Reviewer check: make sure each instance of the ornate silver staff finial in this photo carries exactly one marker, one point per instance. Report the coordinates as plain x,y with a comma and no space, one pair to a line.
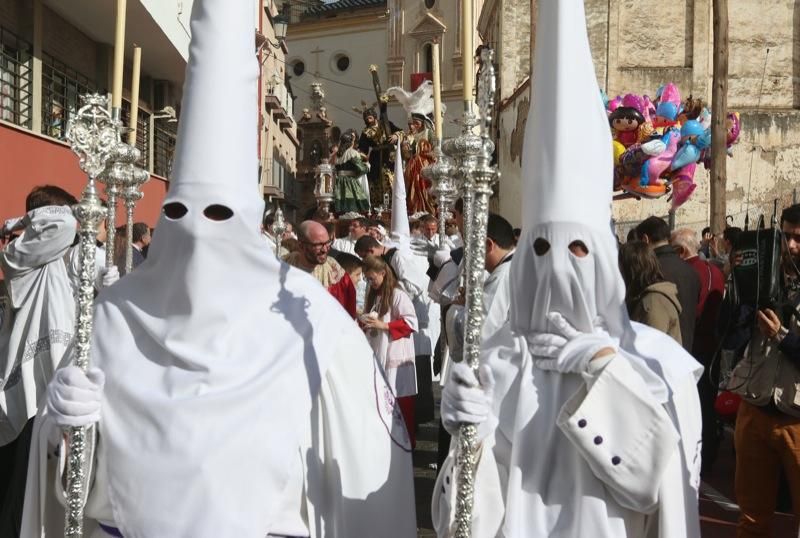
473,154
117,176
278,228
92,135
129,178
443,186
134,178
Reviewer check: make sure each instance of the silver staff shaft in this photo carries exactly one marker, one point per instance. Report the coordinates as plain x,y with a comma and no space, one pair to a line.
478,173
129,203
112,193
92,136
111,219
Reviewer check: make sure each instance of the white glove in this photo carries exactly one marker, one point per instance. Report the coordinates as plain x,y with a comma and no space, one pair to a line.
464,400
568,350
73,397
108,275
12,225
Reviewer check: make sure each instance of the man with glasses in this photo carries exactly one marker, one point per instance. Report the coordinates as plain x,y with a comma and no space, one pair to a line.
768,380
312,257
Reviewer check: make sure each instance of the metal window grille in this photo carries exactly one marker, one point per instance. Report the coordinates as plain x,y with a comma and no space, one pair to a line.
62,87
165,135
16,79
142,130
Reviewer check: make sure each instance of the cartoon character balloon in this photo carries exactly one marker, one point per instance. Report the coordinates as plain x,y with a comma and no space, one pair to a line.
658,143
625,122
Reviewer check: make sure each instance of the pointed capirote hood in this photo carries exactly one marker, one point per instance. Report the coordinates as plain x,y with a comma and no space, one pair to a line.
567,182
567,163
400,227
181,339
218,133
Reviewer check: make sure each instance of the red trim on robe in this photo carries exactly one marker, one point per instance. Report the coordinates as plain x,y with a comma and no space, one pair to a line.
345,292
407,404
398,328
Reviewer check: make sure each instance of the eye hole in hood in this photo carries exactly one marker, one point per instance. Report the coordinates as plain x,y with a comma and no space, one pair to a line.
541,246
218,212
174,210
579,249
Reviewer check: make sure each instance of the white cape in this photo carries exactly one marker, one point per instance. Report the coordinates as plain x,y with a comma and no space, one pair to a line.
574,457
40,316
356,462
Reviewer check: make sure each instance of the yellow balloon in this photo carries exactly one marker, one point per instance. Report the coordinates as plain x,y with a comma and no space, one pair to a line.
619,149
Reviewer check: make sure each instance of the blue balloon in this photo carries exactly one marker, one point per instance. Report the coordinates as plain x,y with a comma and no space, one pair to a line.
667,110
704,140
689,153
692,128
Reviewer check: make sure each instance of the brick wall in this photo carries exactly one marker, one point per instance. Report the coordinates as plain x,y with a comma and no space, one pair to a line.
17,17
69,45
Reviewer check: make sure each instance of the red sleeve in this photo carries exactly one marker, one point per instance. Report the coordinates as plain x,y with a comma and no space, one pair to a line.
344,292
398,328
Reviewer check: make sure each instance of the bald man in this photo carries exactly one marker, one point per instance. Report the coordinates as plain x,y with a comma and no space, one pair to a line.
312,257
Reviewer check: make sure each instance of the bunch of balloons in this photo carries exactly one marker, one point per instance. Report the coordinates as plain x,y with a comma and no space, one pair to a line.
659,142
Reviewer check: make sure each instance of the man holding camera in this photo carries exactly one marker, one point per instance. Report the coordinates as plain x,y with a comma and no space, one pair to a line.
768,379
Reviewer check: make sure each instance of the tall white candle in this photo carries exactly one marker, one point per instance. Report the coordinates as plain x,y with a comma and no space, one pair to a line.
119,55
467,48
437,91
137,66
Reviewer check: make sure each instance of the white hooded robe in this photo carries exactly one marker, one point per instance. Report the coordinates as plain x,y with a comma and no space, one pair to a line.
611,451
227,373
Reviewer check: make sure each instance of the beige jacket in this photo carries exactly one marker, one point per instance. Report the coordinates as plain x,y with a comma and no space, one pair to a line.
658,307
766,375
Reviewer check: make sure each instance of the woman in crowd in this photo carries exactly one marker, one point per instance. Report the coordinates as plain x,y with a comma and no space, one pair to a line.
389,321
650,299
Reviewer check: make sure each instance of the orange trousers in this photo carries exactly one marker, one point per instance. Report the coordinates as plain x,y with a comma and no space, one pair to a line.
764,442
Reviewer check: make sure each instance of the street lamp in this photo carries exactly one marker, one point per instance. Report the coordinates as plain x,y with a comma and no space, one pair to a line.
280,24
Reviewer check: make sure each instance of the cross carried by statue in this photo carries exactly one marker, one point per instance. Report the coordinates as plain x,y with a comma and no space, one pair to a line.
377,141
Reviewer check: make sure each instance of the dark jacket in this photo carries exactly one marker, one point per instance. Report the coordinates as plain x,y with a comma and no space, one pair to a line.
681,274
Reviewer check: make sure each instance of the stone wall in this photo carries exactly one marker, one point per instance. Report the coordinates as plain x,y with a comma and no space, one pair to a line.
754,27
511,128
513,41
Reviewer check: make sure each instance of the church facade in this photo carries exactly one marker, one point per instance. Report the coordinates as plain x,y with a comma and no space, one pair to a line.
335,43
